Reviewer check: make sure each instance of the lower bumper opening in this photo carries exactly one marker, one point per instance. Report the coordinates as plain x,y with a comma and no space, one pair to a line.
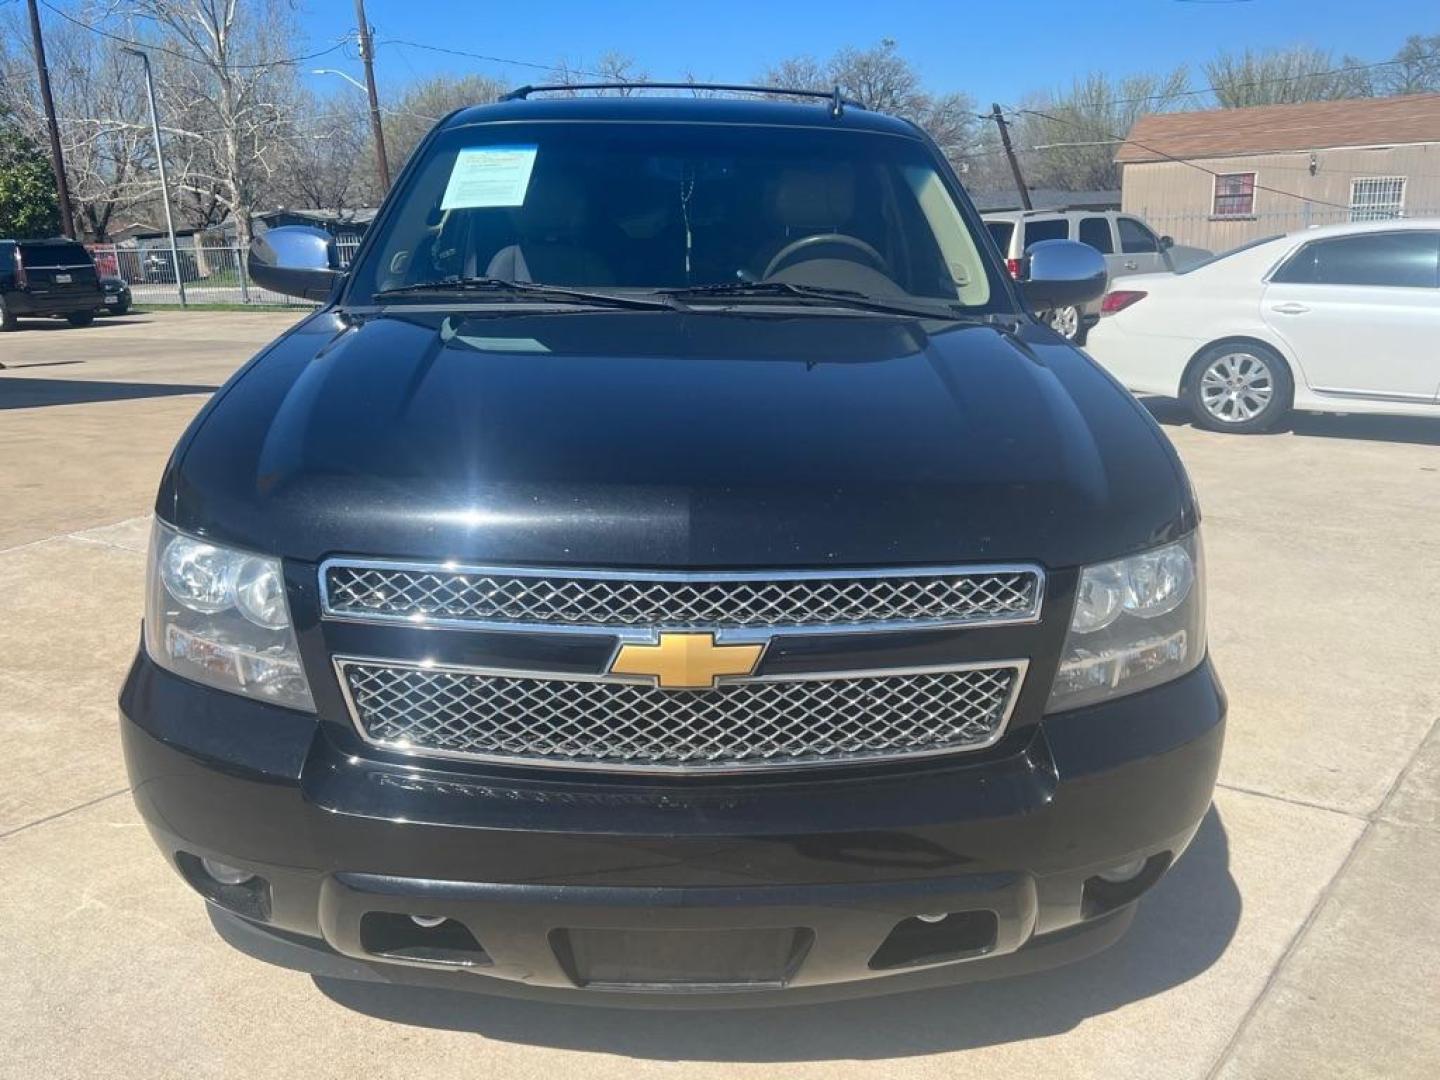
681,961
1102,895
936,939
420,939
250,898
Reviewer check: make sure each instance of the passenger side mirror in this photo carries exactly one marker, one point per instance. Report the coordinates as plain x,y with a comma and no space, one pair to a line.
1062,273
295,260
1166,243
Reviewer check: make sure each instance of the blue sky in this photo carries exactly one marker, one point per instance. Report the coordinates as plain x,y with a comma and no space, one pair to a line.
993,51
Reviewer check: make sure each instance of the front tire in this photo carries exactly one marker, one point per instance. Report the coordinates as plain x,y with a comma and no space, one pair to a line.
80,318
7,317
1242,387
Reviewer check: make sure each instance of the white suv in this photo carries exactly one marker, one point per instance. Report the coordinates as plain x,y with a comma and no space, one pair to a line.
1128,244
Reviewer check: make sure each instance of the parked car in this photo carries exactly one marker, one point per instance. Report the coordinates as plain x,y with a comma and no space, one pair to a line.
1339,319
1128,244
671,565
158,266
117,295
47,278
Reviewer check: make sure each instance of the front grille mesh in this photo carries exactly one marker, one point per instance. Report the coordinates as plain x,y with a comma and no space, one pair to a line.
625,725
656,602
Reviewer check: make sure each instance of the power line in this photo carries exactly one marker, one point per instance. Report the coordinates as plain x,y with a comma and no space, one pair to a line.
488,59
288,61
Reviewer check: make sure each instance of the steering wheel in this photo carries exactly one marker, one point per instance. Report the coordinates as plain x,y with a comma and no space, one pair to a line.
871,255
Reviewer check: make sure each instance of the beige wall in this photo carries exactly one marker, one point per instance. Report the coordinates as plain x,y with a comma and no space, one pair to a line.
1176,198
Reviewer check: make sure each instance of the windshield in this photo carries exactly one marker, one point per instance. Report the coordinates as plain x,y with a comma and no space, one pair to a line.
617,207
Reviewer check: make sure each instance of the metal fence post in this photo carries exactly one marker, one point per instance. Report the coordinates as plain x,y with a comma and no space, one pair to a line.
244,281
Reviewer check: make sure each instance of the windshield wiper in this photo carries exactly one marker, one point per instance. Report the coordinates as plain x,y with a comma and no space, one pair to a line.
940,309
529,290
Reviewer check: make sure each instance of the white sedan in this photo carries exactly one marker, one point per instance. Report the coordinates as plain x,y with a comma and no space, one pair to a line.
1340,319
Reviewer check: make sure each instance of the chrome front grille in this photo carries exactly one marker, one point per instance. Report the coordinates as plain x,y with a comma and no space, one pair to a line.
838,600
596,722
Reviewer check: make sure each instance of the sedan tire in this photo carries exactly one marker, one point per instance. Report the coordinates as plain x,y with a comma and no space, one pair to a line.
1068,322
1238,386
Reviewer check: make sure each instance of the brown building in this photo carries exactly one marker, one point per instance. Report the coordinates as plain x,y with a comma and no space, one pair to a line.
1247,173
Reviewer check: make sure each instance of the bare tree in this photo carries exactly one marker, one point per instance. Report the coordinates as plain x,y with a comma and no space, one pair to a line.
325,162
229,95
1068,140
101,111
612,67
1416,69
410,116
1284,77
880,78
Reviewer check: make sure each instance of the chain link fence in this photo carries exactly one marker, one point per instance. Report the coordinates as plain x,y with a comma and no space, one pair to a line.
211,273
1219,233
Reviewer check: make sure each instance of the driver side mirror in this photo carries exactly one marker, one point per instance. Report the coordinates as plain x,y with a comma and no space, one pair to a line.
1166,243
1062,273
296,260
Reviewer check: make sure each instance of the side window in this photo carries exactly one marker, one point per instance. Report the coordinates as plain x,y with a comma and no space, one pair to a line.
1134,237
1046,229
1386,259
1095,231
1001,231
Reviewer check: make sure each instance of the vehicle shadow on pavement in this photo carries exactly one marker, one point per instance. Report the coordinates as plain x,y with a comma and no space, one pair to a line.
1181,929
22,392
1397,429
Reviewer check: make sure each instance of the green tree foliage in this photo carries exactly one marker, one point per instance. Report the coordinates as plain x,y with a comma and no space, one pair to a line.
28,204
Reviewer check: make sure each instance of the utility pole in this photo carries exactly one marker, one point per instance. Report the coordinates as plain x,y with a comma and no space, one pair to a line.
57,159
1010,154
367,54
160,163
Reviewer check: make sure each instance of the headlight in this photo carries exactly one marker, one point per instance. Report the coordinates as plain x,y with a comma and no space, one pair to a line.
219,616
1138,622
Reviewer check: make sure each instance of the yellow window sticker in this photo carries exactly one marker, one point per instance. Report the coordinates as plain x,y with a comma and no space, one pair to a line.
489,176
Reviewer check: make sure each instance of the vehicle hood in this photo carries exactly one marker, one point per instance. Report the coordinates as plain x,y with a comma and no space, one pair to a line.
667,439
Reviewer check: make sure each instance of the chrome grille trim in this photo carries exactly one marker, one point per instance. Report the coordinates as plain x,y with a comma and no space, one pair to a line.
641,603
967,707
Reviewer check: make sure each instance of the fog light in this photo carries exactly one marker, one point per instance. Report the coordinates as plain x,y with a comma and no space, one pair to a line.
1118,875
224,873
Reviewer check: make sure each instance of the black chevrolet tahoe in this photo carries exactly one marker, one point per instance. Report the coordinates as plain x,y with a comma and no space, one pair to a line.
47,278
673,565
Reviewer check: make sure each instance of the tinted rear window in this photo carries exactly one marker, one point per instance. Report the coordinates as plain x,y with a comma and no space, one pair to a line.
1095,231
1396,259
1001,231
1046,229
38,253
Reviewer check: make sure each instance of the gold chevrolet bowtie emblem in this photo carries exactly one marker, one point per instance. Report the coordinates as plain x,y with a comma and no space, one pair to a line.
686,661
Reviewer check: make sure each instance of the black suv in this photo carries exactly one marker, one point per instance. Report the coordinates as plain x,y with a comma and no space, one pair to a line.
47,277
673,565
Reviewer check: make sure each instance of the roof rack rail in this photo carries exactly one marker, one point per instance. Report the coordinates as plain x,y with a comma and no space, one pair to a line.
838,101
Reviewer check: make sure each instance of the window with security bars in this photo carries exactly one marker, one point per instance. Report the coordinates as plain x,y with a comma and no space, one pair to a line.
1377,198
1234,195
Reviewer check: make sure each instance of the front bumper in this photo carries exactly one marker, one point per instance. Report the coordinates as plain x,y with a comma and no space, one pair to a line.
784,887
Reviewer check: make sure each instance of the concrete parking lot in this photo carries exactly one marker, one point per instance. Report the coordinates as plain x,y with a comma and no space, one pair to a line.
1300,937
